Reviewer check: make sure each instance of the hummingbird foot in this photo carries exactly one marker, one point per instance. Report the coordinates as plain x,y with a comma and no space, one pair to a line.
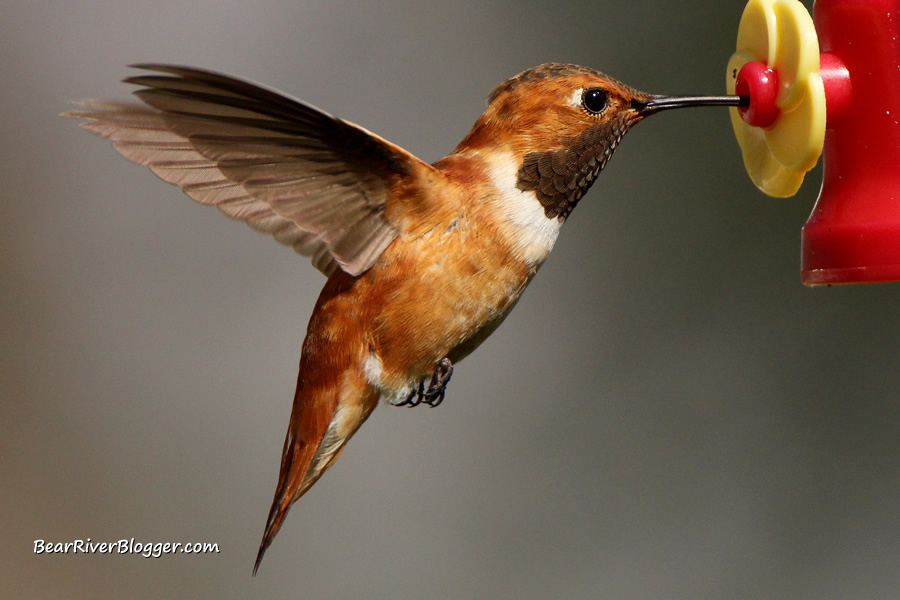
414,398
434,395
437,387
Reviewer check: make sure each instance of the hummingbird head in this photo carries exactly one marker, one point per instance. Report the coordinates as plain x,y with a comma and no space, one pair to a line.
561,123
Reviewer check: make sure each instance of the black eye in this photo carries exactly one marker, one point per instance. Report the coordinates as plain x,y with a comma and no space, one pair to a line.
595,100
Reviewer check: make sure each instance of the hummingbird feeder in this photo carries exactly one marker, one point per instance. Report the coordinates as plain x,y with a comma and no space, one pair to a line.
832,85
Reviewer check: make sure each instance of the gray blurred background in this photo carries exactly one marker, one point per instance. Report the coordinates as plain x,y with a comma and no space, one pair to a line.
668,413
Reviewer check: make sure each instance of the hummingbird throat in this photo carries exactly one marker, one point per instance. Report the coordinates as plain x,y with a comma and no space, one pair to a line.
561,177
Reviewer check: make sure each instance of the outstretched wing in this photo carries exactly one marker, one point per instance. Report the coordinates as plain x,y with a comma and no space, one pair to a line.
314,182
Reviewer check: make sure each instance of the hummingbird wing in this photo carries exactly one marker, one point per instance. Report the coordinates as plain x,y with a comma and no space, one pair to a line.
314,182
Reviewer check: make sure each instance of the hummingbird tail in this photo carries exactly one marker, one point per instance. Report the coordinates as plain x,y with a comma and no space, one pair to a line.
322,421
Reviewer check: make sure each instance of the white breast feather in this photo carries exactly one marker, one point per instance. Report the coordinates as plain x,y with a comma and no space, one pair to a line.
372,368
521,214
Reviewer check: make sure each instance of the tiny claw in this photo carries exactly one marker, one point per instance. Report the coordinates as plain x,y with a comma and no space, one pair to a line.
414,398
437,387
434,395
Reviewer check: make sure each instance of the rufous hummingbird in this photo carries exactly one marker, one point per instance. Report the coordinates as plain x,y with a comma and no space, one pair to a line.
423,261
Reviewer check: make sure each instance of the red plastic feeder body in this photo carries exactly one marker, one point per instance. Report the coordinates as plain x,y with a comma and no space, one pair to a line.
853,233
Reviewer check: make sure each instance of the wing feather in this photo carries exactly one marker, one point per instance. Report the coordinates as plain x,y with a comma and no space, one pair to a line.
314,182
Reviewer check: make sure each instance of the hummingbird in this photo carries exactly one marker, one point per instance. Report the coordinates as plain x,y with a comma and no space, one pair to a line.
423,261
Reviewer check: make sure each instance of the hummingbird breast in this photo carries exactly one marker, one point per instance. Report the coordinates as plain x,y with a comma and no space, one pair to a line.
439,293
439,297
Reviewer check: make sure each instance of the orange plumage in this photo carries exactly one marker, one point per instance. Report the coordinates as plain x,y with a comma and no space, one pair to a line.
423,261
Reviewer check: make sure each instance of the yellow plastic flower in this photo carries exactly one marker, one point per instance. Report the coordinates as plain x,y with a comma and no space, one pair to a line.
781,34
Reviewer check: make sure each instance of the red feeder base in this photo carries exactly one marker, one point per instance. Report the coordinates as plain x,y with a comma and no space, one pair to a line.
853,233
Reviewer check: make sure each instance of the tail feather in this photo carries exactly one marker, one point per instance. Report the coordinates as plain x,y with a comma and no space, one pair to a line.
288,476
321,424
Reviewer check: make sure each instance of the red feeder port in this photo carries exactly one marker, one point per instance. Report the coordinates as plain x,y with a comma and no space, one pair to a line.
760,83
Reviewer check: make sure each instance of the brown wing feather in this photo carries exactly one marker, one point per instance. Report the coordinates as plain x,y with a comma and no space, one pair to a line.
314,182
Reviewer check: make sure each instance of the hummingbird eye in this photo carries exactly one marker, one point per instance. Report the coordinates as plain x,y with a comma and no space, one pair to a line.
595,100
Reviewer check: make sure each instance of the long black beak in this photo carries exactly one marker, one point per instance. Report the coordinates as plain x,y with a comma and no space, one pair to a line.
658,103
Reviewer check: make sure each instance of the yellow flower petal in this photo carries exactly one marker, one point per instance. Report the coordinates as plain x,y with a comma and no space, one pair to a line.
781,33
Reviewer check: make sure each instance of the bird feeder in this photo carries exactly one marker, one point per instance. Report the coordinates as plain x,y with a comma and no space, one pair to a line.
832,85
